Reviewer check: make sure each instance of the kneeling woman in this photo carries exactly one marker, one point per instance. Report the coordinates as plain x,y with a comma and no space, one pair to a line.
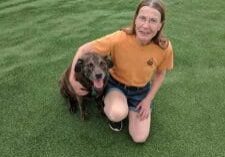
141,56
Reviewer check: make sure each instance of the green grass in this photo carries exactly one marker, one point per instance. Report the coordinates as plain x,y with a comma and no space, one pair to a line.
38,39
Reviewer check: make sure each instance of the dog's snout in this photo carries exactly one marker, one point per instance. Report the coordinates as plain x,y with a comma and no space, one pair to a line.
98,76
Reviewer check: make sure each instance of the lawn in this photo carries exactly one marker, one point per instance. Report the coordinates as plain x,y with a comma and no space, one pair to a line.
38,39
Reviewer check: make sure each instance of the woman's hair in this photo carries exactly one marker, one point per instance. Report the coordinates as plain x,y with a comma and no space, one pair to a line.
159,38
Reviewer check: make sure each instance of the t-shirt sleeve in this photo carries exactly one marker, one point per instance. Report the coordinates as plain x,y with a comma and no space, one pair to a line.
106,44
167,63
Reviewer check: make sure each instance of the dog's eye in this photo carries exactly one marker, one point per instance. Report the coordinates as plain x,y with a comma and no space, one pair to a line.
102,64
90,65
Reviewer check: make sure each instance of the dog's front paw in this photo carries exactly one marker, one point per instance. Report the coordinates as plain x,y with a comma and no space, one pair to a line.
84,116
73,107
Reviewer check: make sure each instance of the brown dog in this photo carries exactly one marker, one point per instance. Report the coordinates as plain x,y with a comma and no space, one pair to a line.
91,70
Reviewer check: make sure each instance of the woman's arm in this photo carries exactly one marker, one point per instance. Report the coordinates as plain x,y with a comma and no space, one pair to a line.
79,89
156,84
143,106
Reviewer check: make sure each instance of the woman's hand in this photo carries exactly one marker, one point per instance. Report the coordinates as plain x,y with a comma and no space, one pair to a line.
79,89
77,86
143,109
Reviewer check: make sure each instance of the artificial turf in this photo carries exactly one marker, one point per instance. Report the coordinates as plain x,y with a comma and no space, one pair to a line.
38,39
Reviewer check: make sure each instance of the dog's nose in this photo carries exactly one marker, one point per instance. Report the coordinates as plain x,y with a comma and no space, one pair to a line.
98,76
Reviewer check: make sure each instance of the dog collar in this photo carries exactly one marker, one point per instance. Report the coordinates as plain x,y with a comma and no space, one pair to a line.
93,92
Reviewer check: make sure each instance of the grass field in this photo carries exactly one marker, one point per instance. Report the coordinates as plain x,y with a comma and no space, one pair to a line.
38,39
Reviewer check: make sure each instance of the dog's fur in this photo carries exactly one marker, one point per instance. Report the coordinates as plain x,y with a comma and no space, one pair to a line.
91,70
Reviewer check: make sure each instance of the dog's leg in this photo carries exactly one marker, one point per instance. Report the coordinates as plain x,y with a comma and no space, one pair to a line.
81,107
84,108
100,104
73,105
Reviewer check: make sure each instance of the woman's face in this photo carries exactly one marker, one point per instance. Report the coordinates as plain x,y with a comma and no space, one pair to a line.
147,24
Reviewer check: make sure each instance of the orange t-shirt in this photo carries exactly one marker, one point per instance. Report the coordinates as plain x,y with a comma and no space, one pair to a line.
133,64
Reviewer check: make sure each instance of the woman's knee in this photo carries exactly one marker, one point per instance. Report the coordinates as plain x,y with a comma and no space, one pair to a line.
116,107
116,112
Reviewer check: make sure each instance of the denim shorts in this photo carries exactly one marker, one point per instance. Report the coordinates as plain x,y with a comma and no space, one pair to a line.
134,95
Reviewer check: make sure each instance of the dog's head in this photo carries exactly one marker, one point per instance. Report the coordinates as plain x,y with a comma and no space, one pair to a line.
92,71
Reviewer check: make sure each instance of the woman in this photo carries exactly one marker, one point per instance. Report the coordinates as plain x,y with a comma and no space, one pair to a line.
141,57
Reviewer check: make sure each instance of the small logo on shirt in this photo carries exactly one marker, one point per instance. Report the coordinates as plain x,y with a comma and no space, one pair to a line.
150,62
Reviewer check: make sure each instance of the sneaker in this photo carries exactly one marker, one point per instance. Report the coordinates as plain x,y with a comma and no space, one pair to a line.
116,126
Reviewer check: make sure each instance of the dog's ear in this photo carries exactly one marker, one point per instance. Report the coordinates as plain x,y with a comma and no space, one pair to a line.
79,65
109,62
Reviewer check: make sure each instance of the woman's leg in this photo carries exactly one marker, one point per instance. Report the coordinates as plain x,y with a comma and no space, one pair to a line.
116,108
139,130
